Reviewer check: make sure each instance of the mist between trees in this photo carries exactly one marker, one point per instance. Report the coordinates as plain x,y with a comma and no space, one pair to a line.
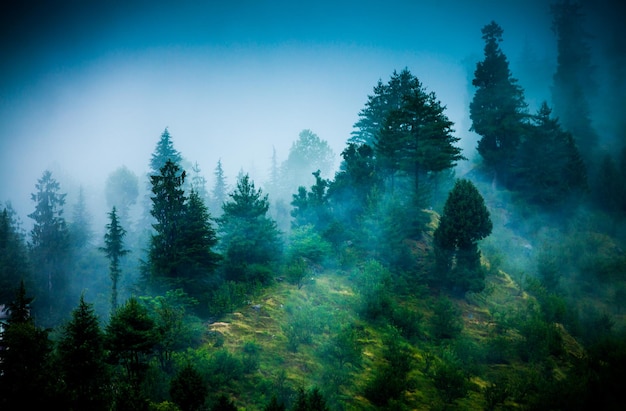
388,282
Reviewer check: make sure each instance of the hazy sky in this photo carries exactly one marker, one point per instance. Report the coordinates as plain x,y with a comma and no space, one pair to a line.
88,86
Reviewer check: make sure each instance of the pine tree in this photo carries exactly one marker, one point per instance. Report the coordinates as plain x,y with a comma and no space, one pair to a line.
50,247
465,221
197,239
548,168
416,138
219,189
248,236
498,108
114,250
82,359
188,389
14,265
386,98
26,375
168,209
130,337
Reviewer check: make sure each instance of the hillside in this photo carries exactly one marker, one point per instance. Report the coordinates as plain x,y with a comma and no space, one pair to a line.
291,331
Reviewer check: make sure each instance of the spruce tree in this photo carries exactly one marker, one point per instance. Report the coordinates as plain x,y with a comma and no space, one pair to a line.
26,377
114,250
249,238
168,209
14,266
498,109
548,167
218,194
164,152
82,360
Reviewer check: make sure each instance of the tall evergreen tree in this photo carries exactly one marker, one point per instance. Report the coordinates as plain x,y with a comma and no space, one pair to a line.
130,338
26,378
387,97
220,187
197,239
50,247
114,250
573,80
498,109
465,221
82,359
14,265
168,209
548,167
416,138
248,236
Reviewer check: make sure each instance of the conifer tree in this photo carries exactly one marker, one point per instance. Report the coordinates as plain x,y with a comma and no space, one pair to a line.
168,209
219,194
50,247
164,152
26,375
416,138
14,265
387,97
248,236
465,221
548,167
498,108
114,250
82,360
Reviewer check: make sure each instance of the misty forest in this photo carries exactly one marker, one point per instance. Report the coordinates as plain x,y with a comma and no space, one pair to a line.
410,274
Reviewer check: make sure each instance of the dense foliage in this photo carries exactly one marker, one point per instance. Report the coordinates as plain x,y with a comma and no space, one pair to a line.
393,284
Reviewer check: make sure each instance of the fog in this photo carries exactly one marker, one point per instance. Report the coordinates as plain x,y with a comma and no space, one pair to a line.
86,89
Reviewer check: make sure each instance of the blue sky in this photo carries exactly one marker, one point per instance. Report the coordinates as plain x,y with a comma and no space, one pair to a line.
86,87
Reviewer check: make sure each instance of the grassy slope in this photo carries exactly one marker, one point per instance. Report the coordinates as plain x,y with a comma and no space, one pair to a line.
331,296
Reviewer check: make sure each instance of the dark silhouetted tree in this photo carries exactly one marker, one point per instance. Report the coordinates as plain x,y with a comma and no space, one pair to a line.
27,379
548,167
14,265
465,221
130,339
188,389
416,138
83,361
498,108
197,240
386,98
168,209
114,250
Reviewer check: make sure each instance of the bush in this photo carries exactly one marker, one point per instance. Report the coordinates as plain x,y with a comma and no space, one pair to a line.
446,320
307,244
